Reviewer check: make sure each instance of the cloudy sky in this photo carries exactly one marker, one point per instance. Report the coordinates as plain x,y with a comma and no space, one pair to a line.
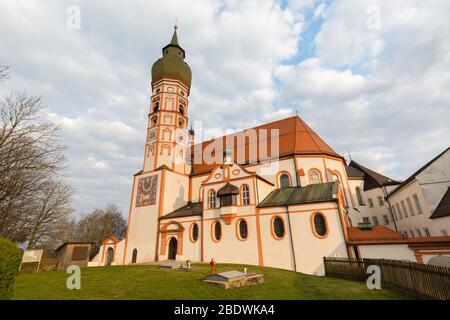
370,77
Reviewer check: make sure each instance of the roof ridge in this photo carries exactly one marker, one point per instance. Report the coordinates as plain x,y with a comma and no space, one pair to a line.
371,172
243,130
419,171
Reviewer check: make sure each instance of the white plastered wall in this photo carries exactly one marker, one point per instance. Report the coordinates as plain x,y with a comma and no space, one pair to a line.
142,227
387,251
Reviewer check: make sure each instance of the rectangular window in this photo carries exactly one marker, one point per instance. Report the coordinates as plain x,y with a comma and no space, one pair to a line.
375,221
444,233
386,219
427,232
411,233
366,220
370,203
410,207
404,209
399,211
380,201
394,213
419,233
418,207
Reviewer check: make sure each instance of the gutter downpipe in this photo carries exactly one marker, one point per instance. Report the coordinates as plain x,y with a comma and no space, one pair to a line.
290,237
390,208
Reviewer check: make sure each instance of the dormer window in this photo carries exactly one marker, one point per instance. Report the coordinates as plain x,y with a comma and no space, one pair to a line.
228,200
227,195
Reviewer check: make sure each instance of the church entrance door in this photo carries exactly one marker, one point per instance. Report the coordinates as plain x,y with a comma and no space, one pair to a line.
173,244
109,256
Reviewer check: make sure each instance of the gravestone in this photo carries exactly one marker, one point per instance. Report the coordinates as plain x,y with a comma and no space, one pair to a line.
234,279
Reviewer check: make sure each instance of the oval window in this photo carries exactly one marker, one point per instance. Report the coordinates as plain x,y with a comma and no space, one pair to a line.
320,225
217,231
243,231
278,227
194,231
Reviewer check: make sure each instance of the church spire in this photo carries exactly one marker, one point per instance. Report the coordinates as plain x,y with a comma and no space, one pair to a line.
175,36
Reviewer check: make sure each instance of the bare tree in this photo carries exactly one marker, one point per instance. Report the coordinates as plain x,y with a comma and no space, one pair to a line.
4,72
99,224
52,208
30,154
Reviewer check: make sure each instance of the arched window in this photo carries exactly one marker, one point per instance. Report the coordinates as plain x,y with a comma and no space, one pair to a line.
154,120
212,199
314,177
245,194
181,109
320,225
360,197
217,231
243,230
134,257
156,108
332,176
285,181
194,232
278,227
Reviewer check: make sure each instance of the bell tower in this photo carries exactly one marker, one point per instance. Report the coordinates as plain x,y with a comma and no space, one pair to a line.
166,142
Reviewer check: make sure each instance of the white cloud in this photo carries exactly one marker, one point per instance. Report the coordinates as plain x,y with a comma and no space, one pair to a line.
383,94
310,79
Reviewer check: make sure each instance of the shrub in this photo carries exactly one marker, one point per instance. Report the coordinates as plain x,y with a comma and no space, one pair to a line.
10,258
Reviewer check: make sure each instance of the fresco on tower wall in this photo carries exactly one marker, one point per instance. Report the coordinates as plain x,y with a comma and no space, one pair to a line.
146,191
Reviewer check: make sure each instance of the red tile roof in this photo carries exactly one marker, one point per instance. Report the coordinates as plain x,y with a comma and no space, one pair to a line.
384,235
378,233
296,137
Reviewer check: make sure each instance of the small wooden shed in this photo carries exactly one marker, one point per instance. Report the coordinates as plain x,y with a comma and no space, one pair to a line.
73,253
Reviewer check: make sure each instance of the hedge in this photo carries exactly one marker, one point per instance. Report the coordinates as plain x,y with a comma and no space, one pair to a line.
10,258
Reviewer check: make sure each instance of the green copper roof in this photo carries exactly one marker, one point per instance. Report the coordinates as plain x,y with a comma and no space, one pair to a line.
300,195
172,64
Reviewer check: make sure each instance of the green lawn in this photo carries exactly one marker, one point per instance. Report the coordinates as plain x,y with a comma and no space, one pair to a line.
150,282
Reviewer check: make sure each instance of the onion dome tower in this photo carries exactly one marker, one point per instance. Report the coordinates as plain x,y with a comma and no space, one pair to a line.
172,65
167,136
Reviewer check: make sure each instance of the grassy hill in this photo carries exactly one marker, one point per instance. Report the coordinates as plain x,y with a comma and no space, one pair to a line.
150,282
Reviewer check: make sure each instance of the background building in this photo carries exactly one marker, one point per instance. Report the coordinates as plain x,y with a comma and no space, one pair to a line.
422,202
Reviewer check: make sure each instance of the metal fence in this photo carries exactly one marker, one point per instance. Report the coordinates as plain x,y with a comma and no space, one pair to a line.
419,280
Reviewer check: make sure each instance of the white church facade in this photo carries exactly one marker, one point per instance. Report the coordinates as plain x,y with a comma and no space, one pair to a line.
275,195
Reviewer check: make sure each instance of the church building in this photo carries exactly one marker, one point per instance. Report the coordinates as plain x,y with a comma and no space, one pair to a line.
276,195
